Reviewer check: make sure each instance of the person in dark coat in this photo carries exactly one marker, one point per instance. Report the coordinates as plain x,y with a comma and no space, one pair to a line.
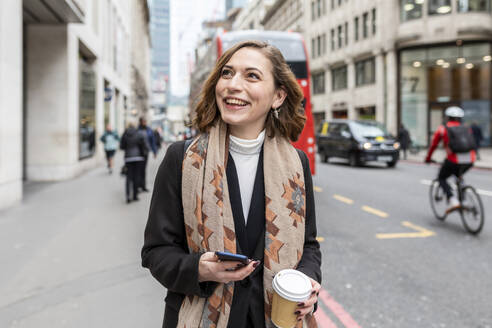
478,136
134,145
148,136
205,200
404,140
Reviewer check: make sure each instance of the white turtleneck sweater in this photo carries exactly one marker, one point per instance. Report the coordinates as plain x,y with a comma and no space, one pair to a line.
246,154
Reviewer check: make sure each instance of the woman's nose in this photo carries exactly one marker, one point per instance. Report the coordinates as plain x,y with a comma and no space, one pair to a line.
235,83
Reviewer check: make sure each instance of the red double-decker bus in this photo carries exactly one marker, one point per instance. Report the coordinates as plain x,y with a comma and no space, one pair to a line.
294,51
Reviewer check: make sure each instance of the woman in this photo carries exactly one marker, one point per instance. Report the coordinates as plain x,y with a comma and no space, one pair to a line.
240,187
134,145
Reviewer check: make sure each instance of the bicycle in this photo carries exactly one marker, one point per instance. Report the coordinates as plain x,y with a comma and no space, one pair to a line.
471,207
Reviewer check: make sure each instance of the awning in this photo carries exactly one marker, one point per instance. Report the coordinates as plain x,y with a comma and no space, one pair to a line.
53,11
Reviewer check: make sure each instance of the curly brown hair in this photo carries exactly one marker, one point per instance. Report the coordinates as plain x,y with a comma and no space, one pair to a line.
291,116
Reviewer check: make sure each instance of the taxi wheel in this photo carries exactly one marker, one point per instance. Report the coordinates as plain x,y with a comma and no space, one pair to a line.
391,164
353,160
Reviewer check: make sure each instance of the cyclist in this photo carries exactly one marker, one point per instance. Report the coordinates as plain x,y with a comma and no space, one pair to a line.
460,150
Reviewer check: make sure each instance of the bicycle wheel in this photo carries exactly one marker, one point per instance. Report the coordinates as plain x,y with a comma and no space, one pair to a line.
472,210
438,200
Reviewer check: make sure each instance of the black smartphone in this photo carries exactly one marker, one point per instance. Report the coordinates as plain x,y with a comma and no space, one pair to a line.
224,256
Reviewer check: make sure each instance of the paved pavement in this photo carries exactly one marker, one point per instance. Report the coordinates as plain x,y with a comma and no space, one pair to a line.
439,155
70,256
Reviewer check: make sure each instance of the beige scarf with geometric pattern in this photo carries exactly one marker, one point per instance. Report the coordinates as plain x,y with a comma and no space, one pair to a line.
210,225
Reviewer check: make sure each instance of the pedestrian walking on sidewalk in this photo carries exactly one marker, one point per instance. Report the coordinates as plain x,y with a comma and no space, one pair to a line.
134,145
110,140
404,140
148,136
478,136
205,199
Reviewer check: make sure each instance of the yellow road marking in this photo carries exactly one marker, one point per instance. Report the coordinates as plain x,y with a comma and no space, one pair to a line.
317,189
375,211
343,199
320,239
422,232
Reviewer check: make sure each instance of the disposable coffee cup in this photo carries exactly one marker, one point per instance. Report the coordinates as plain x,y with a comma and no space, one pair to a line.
290,287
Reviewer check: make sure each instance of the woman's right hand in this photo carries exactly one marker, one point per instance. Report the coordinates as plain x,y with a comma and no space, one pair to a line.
210,269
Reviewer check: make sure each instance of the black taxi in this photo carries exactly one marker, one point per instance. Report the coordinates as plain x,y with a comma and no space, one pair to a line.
357,141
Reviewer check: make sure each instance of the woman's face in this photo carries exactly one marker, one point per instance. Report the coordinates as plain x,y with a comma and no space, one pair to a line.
246,92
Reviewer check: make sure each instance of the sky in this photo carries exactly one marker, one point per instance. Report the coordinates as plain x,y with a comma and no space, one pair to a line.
186,19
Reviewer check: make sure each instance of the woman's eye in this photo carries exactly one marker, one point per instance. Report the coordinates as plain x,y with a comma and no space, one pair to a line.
226,73
253,76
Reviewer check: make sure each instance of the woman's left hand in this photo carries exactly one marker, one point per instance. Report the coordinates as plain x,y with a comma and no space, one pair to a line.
307,306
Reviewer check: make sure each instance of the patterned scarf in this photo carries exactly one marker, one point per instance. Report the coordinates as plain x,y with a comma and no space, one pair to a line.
209,221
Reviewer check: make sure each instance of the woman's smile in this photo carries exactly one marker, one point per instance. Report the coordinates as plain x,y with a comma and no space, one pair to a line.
233,103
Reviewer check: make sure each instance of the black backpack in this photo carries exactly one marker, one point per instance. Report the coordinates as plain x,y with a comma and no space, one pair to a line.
460,139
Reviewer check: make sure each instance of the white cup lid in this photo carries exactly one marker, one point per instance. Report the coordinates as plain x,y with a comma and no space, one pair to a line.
292,285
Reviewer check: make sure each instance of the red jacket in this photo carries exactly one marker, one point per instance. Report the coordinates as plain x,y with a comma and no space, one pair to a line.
442,133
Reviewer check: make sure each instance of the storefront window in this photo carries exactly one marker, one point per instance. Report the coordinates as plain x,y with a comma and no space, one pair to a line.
473,5
435,78
411,9
439,7
339,78
87,108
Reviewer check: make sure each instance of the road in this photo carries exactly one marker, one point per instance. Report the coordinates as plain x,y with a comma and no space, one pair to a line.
436,276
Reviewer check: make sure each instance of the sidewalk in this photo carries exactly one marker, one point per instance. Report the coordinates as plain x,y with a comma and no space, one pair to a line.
70,256
439,155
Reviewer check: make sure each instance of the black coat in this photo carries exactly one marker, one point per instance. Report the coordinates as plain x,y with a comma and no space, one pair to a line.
165,251
133,143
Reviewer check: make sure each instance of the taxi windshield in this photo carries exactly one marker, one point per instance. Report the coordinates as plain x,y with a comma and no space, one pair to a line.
369,130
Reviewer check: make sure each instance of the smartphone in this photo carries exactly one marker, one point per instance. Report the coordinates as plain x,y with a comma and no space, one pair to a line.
224,256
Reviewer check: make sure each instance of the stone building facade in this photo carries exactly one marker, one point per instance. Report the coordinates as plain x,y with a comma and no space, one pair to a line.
65,74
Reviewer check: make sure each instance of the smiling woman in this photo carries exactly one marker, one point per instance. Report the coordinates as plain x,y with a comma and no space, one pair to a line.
239,187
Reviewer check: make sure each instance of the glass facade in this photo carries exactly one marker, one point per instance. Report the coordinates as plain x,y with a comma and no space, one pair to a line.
435,78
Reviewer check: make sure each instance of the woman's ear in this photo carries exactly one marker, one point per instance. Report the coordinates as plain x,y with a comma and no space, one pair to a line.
279,97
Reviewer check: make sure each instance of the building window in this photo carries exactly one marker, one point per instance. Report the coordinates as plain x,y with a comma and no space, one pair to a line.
319,45
373,21
319,8
365,72
318,83
473,5
410,9
439,7
339,78
332,39
356,29
87,108
332,4
324,7
339,3
340,36
313,13
324,43
365,25
313,48
345,33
